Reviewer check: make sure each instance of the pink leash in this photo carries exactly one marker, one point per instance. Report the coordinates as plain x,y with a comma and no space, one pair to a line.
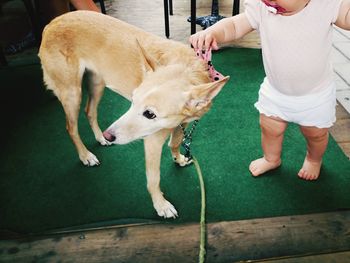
206,56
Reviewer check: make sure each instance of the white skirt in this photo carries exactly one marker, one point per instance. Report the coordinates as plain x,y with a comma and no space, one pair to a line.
317,110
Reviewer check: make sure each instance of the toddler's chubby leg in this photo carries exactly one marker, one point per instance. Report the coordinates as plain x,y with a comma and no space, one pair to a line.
317,140
272,131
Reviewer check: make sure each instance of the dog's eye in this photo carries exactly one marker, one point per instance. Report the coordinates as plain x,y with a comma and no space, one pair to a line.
149,114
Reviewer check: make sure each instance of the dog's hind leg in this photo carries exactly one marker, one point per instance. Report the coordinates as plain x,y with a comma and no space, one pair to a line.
67,87
153,150
96,88
175,144
71,99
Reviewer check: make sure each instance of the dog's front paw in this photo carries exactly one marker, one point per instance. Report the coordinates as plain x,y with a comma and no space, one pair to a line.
165,209
103,141
182,160
89,159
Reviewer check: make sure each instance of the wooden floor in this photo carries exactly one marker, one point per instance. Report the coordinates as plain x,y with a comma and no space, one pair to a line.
320,238
341,130
316,238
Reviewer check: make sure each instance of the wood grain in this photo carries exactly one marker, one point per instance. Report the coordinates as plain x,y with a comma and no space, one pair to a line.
227,241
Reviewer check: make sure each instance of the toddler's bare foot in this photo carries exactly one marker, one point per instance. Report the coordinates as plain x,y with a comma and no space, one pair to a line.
261,166
310,170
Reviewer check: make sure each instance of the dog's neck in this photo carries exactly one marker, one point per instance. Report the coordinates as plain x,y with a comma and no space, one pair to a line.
194,68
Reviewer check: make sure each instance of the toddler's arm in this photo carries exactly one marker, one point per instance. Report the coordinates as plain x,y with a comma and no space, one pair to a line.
227,29
343,20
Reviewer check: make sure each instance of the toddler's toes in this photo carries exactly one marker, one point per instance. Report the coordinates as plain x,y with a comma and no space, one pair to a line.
255,169
310,170
261,166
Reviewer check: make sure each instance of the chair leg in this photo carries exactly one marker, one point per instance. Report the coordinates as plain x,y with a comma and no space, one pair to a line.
166,18
102,5
171,7
235,10
193,17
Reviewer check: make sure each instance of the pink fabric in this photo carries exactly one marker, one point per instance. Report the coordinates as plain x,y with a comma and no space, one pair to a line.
206,56
274,8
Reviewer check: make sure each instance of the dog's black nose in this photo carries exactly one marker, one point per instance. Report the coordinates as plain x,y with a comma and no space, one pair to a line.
109,137
112,138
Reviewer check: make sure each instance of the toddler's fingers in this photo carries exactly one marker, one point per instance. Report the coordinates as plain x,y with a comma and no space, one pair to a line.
215,45
203,41
194,39
208,42
200,41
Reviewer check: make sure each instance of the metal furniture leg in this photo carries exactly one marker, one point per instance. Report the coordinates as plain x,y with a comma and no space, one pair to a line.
102,5
207,21
171,7
235,9
192,19
166,18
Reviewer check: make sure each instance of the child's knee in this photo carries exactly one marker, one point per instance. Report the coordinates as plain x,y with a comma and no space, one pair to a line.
271,126
315,134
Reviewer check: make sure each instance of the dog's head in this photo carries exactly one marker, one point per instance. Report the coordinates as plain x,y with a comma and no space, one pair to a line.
165,99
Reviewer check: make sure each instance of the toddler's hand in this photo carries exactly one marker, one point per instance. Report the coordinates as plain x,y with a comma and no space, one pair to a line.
204,40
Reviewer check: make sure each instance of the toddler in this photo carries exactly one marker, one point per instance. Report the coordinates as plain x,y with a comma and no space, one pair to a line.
296,41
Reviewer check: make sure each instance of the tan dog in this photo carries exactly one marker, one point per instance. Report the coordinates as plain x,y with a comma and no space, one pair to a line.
164,80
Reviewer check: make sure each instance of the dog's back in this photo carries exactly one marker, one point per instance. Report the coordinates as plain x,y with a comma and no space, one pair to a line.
83,39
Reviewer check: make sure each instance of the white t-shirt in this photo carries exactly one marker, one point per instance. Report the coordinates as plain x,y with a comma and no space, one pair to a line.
296,49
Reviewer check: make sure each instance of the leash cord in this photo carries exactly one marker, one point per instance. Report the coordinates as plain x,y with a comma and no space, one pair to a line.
202,251
186,143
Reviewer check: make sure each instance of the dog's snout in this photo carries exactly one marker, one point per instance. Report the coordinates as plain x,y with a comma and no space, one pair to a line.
109,137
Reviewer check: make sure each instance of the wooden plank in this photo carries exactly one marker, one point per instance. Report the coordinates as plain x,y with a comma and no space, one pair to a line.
227,241
345,146
341,131
340,257
341,112
343,97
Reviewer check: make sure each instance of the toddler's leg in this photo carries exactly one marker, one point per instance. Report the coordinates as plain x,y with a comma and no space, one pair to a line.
272,130
317,140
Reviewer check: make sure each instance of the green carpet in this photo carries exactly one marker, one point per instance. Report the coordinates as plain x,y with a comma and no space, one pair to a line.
44,186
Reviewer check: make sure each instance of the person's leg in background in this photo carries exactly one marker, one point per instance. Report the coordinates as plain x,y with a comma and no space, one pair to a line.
16,32
48,10
85,5
44,12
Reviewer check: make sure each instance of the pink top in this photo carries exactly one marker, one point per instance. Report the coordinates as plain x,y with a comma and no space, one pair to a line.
296,49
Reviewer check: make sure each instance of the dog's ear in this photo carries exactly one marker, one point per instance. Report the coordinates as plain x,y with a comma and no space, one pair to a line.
149,62
201,97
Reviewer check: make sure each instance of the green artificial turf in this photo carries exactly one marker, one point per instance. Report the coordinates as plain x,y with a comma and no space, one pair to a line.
44,186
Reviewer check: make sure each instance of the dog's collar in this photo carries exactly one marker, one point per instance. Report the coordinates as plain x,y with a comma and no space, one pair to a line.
206,56
214,76
187,139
